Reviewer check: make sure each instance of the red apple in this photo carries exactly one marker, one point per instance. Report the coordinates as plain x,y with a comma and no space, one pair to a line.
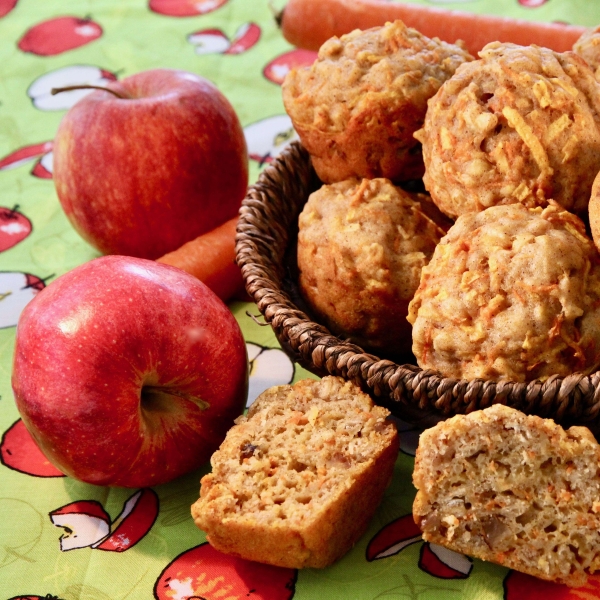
143,173
59,35
128,372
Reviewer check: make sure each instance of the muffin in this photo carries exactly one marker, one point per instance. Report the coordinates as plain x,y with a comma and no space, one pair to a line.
510,293
594,211
296,482
588,47
361,247
518,125
516,490
357,107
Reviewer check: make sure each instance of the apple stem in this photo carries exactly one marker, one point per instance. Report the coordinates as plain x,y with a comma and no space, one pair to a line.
85,86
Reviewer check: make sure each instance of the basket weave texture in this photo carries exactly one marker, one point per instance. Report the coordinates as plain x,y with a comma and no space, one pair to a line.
265,250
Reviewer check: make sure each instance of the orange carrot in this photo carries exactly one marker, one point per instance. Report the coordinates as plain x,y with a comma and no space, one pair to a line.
308,23
211,258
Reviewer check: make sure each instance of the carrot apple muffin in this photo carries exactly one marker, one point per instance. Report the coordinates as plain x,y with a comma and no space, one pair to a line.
297,480
510,293
594,211
588,47
361,248
513,489
518,125
357,107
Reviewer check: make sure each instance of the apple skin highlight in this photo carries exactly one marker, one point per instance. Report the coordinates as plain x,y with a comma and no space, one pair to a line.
143,174
128,372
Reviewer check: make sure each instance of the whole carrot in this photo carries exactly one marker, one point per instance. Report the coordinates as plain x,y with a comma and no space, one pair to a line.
211,258
309,23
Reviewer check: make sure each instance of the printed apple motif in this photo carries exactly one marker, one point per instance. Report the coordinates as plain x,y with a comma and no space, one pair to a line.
268,367
40,90
22,529
267,138
214,41
43,167
204,573
532,3
14,227
87,525
518,586
41,153
6,6
434,560
184,8
29,597
393,538
84,522
209,41
443,563
135,521
19,452
279,67
16,290
59,35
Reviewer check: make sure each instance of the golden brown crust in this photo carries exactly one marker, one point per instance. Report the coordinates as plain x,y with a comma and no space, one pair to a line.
516,490
296,482
588,47
594,211
518,125
357,107
510,293
361,248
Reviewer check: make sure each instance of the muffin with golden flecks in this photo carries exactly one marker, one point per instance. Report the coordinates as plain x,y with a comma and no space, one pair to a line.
514,489
588,47
510,293
357,107
361,247
521,124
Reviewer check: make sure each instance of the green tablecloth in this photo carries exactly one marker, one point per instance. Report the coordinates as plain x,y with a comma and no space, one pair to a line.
236,44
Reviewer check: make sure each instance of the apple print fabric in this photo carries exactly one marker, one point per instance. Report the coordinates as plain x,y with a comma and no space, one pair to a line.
63,539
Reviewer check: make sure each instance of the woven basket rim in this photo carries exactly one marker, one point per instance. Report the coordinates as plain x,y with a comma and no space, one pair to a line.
264,229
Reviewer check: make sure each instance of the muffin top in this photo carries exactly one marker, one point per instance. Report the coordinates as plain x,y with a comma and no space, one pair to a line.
391,63
588,47
510,293
356,108
361,247
518,125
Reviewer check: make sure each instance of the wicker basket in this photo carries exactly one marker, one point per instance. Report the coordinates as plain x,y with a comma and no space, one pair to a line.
265,247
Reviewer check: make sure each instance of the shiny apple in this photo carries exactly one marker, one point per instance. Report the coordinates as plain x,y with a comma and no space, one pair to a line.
151,164
128,372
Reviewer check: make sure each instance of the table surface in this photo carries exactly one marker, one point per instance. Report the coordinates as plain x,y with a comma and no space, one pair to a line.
235,44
